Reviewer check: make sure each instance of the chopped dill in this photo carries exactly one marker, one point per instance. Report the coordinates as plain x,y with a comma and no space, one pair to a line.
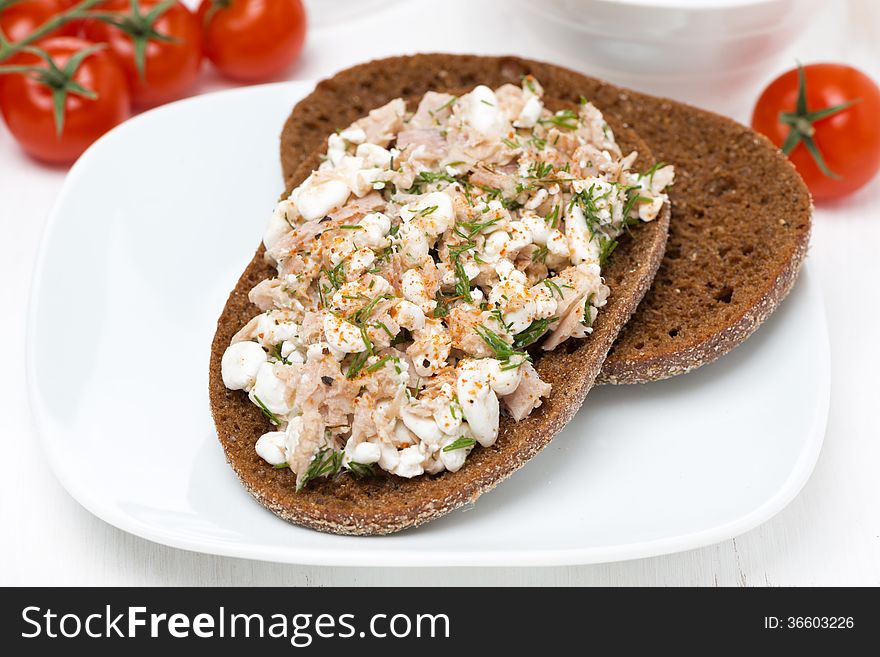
274,419
606,248
540,254
336,276
460,443
553,217
378,365
326,462
361,470
496,343
276,354
554,287
533,333
567,119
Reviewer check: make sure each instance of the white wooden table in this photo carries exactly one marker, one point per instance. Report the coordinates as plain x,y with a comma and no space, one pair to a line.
829,535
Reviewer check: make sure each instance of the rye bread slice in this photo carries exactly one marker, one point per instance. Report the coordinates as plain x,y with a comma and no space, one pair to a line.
386,504
741,214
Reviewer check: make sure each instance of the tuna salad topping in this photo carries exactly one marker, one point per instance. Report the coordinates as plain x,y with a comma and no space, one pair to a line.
417,265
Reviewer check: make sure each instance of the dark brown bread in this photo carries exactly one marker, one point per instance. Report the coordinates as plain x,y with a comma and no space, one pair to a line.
385,504
741,214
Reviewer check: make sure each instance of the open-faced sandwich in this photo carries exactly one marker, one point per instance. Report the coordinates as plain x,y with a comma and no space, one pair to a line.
432,301
741,214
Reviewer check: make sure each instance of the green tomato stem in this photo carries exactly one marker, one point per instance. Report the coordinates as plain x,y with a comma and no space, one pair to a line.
8,49
801,124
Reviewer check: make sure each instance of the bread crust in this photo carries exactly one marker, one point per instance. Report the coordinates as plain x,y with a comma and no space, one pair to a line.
386,504
741,214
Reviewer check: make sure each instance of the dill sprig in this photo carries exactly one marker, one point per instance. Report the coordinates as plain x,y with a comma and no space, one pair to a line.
554,287
492,193
360,319
443,300
466,230
274,419
565,118
586,201
429,178
458,249
533,333
378,365
588,313
360,359
606,247
633,196
361,470
498,316
474,228
335,276
553,217
540,254
448,103
649,174
538,143
460,443
357,365
275,352
529,82
462,282
500,348
540,169
363,314
424,212
326,462
381,325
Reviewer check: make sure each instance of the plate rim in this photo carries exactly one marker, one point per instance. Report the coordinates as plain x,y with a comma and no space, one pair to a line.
346,556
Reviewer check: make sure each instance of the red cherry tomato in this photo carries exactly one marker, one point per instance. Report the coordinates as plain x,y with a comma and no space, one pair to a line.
252,40
170,67
74,27
28,108
848,140
21,18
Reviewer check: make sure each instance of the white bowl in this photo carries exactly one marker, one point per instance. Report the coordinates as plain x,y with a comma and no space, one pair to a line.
709,53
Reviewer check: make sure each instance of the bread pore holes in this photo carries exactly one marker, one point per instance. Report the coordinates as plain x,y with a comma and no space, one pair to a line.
725,294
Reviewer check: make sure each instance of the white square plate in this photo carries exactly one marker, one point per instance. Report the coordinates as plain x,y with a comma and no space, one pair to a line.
149,234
